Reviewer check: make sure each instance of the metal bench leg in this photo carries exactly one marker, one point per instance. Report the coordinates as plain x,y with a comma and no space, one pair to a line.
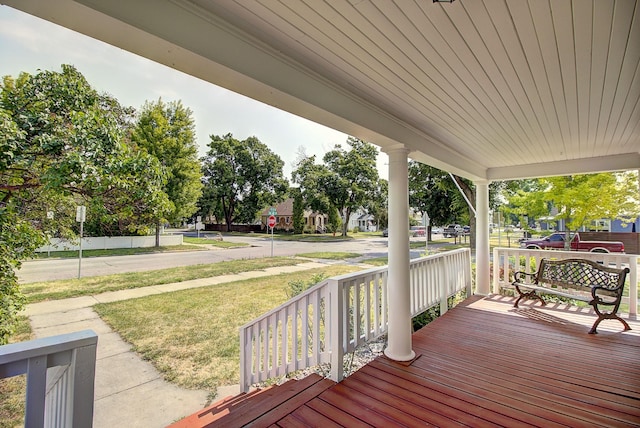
608,317
528,295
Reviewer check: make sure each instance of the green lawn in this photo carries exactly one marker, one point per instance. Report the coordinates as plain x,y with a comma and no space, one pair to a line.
191,336
329,255
62,289
214,242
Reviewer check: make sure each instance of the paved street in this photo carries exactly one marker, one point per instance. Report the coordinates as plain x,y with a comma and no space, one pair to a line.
47,270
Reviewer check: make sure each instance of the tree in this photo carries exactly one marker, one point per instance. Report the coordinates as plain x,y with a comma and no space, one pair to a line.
298,211
525,199
333,221
308,175
167,131
346,181
18,241
442,196
240,179
431,193
378,205
580,199
62,144
353,177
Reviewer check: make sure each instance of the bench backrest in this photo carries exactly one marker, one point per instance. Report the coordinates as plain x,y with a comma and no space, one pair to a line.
579,274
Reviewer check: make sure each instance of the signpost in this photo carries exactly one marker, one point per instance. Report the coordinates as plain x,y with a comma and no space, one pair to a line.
272,224
425,221
199,225
81,213
49,217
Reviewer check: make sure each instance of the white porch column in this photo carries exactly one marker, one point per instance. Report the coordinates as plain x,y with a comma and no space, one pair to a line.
482,238
399,331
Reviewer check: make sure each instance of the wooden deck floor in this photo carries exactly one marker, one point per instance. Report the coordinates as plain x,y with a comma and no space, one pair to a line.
483,364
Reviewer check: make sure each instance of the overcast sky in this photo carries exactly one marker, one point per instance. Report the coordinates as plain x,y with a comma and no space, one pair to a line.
28,43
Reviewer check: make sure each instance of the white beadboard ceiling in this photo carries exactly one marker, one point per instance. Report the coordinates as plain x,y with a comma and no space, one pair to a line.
487,89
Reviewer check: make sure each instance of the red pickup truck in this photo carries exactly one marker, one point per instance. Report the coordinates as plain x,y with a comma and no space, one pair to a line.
556,241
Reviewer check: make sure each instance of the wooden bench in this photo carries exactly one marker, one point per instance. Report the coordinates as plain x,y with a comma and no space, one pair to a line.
577,279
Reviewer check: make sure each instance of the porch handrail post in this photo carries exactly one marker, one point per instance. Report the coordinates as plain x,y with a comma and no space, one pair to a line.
84,363
496,270
36,391
633,287
444,298
336,320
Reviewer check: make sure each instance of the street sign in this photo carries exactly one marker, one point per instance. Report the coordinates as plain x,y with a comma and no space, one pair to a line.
81,213
272,211
272,221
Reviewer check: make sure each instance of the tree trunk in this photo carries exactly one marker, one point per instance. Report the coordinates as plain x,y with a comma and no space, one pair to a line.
345,224
158,233
470,193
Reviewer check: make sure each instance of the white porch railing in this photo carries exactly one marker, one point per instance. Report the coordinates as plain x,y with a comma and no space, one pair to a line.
506,261
60,378
339,314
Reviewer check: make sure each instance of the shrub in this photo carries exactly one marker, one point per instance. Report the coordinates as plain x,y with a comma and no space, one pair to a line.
299,286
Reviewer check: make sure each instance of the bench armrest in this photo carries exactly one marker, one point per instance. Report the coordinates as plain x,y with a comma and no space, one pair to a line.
520,275
615,292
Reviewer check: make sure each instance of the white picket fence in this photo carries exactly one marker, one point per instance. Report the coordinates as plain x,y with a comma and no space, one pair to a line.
110,242
339,314
60,374
506,261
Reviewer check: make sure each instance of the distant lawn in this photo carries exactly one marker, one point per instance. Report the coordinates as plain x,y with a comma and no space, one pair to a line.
310,237
191,336
329,255
377,261
214,242
62,289
119,251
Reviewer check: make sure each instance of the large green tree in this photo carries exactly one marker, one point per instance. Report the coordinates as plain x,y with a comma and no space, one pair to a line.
447,198
167,131
346,181
307,174
580,199
61,144
240,179
378,205
430,193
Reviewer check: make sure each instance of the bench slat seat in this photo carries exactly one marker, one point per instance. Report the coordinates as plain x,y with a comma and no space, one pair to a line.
579,279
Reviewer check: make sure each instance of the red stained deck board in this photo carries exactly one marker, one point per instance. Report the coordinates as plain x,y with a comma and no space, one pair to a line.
268,401
336,415
482,364
296,401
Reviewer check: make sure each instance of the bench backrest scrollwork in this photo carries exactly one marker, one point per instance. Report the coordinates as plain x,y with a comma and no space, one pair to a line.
581,274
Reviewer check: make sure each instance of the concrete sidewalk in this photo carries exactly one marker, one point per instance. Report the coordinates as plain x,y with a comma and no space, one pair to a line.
129,391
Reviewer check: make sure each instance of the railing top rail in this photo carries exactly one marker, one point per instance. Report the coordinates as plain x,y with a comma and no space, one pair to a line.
569,253
363,272
46,346
440,255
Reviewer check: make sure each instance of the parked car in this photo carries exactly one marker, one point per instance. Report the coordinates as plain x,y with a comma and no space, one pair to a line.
466,229
452,230
417,231
436,230
556,241
385,233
